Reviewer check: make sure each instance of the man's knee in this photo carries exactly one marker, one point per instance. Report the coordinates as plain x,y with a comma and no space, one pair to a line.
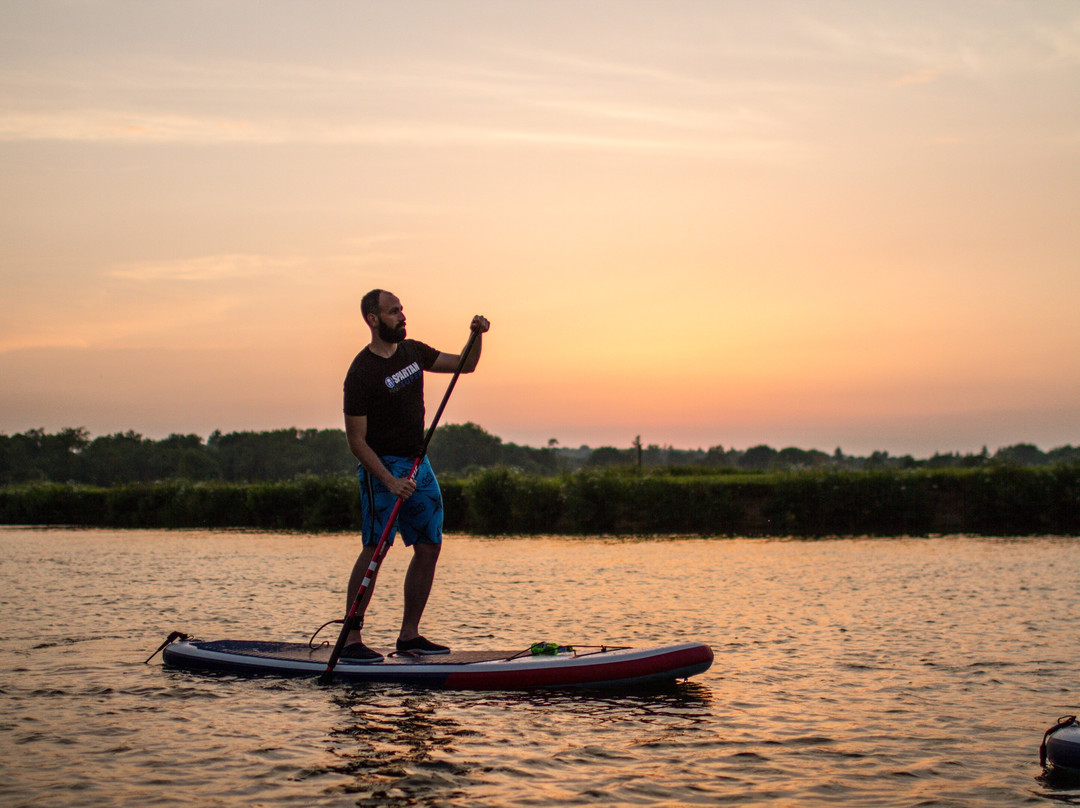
426,551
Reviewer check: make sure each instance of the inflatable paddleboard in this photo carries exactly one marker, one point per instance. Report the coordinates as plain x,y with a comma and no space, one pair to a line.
1061,746
463,670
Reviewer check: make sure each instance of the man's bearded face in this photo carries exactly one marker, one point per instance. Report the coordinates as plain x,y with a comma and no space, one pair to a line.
388,333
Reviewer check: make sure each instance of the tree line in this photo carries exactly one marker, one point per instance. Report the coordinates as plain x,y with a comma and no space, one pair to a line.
766,458
72,455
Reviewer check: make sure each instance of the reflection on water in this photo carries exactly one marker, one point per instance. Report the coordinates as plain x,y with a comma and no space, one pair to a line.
1060,787
407,749
861,673
399,754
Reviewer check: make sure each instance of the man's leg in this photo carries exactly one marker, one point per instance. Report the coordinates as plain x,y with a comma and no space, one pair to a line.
358,572
418,581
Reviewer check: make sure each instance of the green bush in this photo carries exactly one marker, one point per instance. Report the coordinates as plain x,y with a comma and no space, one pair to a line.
996,500
850,503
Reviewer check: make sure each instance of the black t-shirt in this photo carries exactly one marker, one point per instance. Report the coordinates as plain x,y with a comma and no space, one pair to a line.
390,392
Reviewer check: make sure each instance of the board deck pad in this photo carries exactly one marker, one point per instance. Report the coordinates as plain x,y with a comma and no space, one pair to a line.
301,651
584,666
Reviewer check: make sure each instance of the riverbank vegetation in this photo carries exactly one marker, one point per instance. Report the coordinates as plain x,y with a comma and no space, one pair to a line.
302,480
72,455
1000,501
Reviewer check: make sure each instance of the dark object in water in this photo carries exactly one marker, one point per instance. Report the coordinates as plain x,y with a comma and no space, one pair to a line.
1060,748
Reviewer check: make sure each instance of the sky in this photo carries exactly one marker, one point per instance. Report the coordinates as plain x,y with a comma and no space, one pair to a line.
812,223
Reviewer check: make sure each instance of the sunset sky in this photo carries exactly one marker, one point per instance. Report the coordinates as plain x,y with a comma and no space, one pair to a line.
813,224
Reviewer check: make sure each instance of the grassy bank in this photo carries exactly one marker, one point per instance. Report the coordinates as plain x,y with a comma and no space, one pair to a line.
999,501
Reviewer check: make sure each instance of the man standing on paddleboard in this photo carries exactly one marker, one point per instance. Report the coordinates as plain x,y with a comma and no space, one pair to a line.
384,423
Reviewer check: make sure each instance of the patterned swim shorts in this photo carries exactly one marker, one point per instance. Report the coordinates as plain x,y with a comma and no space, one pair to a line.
421,516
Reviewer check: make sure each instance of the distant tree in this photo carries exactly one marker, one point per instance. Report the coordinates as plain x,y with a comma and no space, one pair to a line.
326,452
249,456
686,457
183,457
758,458
943,461
63,453
907,462
281,454
652,455
1063,455
529,459
456,447
793,458
40,455
610,456
716,457
20,457
123,457
974,461
1022,454
877,461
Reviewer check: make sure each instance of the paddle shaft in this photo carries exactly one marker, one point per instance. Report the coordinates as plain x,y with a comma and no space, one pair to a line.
352,619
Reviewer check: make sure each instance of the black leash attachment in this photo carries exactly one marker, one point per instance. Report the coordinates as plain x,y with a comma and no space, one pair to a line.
311,640
176,635
1064,721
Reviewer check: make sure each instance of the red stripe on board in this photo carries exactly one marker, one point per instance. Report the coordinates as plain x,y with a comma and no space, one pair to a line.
655,666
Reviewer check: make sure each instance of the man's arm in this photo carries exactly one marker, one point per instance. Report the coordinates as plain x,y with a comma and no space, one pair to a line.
448,363
356,433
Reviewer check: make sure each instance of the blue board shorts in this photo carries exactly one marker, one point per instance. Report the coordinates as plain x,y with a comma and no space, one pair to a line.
421,516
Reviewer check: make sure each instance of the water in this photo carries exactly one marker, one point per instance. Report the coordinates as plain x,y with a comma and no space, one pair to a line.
895,672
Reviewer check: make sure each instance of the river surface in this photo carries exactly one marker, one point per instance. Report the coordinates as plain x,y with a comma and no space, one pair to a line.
878,672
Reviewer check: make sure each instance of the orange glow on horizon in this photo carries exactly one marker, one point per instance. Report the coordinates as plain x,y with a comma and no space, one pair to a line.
799,224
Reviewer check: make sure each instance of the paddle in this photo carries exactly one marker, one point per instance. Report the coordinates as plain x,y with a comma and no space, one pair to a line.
352,619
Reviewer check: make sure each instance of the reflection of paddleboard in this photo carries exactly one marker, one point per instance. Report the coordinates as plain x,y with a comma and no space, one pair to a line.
464,670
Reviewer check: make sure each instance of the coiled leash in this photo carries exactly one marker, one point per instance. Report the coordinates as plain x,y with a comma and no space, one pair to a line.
324,643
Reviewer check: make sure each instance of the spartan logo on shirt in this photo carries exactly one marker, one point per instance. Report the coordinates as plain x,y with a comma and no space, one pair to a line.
404,377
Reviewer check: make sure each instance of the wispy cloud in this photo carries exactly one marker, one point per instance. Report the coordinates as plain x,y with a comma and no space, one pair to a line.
228,267
205,268
103,125
537,98
95,126
926,75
